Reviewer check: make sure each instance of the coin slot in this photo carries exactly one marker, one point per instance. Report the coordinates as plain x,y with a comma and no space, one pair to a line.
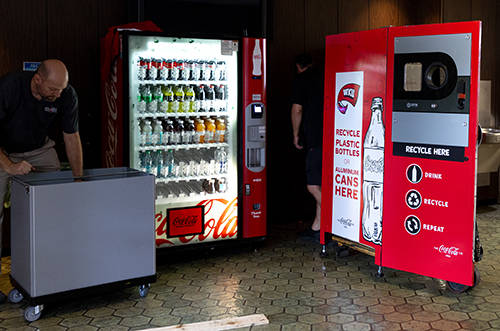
436,76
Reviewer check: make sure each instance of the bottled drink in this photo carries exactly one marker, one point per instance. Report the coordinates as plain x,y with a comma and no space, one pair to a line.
141,64
185,134
169,164
373,175
159,165
221,130
200,68
190,128
191,69
178,132
221,68
210,95
209,130
170,70
211,65
169,132
147,63
146,133
169,99
157,133
200,131
163,105
190,100
157,98
179,98
257,59
181,72
148,162
141,105
201,99
158,66
220,96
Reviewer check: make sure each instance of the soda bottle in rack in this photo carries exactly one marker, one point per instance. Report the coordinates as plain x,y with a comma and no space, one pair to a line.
186,134
179,98
163,105
191,70
221,130
210,96
147,65
181,72
220,161
147,96
163,73
158,65
201,68
141,68
200,131
190,99
169,70
221,69
169,132
373,175
157,98
169,99
169,164
146,133
179,131
190,128
209,130
211,65
148,162
201,99
157,133
220,93
159,165
141,105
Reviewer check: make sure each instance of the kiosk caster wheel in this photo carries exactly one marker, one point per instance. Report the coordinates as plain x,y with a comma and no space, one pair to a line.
477,277
144,290
456,287
15,296
31,313
342,251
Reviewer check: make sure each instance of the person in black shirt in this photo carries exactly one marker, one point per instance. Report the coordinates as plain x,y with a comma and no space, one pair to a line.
307,113
29,103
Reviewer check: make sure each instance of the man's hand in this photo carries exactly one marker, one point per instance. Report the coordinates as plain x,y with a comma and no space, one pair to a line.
21,168
296,142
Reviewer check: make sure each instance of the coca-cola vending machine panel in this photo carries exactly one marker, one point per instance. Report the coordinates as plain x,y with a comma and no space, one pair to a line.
400,158
189,114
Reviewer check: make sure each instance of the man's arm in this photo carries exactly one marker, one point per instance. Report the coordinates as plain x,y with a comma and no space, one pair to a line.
296,120
21,168
74,152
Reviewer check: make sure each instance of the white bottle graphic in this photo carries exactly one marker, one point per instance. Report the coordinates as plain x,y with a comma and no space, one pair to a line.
373,175
257,59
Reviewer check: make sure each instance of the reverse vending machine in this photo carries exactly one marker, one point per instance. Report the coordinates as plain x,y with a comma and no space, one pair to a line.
400,158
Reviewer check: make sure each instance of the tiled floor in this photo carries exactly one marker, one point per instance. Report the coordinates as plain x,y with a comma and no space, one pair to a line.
288,282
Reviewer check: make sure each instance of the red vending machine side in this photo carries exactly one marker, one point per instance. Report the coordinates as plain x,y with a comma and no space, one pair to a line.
253,199
353,143
430,155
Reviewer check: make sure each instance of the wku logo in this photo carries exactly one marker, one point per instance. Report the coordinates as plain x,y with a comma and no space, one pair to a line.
347,95
51,110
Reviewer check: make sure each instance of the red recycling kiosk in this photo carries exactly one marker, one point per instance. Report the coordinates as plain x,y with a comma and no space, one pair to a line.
400,142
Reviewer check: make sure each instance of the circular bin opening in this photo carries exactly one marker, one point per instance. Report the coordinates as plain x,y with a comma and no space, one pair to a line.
436,76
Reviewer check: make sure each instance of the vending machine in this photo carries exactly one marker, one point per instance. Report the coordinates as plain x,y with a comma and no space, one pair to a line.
401,136
192,111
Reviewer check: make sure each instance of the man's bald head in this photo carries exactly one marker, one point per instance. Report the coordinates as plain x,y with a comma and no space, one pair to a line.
50,79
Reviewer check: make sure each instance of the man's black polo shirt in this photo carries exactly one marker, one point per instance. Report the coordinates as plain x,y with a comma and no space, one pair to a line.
24,120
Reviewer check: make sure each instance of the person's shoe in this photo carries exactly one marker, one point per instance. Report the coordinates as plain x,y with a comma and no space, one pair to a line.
309,233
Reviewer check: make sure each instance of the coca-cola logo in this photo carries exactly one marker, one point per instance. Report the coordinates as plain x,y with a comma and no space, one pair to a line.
185,221
449,251
111,93
348,94
345,222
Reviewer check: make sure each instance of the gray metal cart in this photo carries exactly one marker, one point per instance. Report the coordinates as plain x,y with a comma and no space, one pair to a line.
71,238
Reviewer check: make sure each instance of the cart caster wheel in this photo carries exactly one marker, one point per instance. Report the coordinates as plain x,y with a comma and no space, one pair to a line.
477,277
31,313
342,251
15,296
144,290
456,287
